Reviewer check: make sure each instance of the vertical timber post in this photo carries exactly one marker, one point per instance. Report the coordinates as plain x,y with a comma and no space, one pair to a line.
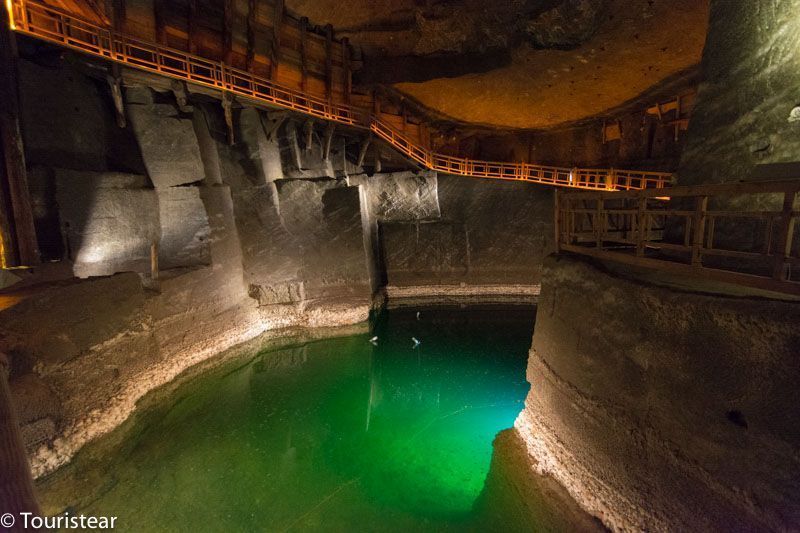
277,24
158,22
303,54
192,26
252,6
227,31
348,72
16,484
329,62
557,218
19,245
699,229
785,237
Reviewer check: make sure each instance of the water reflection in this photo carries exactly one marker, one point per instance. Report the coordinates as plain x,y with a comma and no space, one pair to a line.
332,435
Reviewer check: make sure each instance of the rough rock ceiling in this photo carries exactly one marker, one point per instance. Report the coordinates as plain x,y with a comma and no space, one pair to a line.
519,63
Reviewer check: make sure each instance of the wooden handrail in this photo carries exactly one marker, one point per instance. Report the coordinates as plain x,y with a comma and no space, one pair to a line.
640,229
39,20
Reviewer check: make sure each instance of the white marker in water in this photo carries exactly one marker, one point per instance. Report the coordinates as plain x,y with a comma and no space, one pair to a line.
417,315
374,340
416,342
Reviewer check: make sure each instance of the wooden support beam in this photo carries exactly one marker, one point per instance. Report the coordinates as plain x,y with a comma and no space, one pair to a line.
154,261
114,80
303,54
329,62
115,11
181,95
191,31
227,107
277,25
271,123
362,154
252,7
158,19
348,71
326,145
21,248
294,145
227,31
309,128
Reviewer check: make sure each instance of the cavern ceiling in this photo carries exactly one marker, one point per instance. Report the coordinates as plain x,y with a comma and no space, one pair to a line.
518,63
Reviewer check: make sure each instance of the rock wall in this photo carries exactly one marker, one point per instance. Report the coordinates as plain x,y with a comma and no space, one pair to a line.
253,235
489,233
748,111
667,411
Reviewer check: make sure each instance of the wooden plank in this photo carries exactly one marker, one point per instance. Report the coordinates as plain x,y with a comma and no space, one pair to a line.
277,25
158,21
250,54
713,274
699,228
348,72
326,147
21,248
329,62
191,26
303,54
115,11
227,31
362,153
695,190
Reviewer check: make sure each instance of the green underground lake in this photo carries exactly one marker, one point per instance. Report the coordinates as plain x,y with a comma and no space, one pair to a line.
349,433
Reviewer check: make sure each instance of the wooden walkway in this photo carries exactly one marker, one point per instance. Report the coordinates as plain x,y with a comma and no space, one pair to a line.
700,231
38,19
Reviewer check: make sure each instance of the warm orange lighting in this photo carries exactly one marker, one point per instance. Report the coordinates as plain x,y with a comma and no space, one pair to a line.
2,253
663,198
10,10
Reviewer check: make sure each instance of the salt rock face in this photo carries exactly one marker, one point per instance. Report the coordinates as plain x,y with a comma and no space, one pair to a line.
400,196
110,220
167,142
749,88
565,26
662,409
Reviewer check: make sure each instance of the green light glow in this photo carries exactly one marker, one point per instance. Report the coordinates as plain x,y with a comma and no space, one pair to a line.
333,435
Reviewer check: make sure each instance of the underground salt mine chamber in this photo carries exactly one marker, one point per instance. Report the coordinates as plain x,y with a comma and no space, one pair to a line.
399,265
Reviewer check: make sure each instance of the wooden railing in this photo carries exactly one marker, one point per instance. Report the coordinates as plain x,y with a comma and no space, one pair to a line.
697,230
37,19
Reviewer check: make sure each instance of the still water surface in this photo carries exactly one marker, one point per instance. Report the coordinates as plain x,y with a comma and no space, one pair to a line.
338,434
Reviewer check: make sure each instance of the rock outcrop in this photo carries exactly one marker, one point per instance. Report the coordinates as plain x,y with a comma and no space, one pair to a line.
741,128
253,235
666,410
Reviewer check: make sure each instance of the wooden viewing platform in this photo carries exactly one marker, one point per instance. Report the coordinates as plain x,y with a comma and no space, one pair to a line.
41,20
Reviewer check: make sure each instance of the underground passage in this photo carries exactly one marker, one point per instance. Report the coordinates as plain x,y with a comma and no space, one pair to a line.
399,265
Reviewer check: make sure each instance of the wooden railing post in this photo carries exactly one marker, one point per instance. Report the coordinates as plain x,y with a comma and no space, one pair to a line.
698,229
781,268
641,226
600,223
557,219
154,261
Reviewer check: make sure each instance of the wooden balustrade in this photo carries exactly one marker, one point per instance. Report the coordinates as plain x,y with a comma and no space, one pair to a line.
37,19
693,231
